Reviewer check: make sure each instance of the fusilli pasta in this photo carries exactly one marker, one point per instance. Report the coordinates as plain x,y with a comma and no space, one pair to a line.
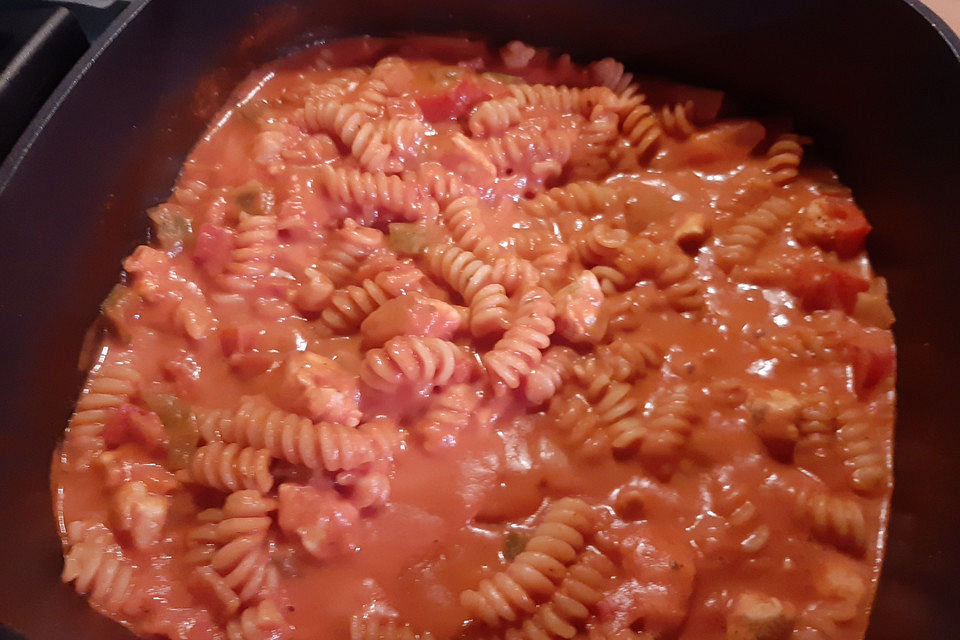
411,360
864,456
230,467
784,157
96,566
113,383
835,519
538,570
376,191
516,354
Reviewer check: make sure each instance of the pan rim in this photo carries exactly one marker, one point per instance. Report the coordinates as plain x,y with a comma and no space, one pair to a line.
10,165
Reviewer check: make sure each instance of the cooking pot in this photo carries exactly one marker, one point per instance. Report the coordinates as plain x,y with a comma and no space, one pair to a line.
877,84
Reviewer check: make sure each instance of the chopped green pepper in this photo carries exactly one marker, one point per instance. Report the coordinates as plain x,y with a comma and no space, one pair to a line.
252,198
832,189
502,78
172,227
446,77
513,545
180,426
252,110
407,238
114,309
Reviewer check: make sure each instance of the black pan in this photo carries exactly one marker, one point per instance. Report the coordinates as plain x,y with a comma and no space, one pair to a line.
876,83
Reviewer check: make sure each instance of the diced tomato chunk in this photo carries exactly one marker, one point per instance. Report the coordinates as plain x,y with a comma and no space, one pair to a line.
835,224
469,94
130,422
440,107
873,357
213,247
820,286
238,338
454,104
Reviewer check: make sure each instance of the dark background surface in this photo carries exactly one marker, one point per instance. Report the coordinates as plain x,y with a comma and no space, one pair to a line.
872,82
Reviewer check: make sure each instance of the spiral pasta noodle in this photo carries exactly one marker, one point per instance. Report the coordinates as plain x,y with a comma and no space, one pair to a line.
234,562
259,622
784,157
563,99
531,145
628,360
381,146
538,570
493,117
616,410
230,467
797,343
337,87
376,191
511,271
244,513
818,415
461,269
572,415
463,217
452,411
664,430
516,354
675,120
489,310
601,244
348,307
350,245
252,258
673,272
641,130
411,360
549,375
835,519
585,197
613,405
444,185
740,243
346,448
572,603
242,566
96,566
257,424
611,74
741,515
864,457
108,387
595,144
332,115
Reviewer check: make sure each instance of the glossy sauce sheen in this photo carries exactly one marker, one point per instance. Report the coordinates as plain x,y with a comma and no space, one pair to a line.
684,335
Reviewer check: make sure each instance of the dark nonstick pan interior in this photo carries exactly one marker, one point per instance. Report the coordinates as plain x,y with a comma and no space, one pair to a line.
876,83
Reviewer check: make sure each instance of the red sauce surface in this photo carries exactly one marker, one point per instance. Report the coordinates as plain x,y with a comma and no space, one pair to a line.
404,306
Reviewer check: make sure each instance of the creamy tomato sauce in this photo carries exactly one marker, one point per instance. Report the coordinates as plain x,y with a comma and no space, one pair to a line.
438,341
